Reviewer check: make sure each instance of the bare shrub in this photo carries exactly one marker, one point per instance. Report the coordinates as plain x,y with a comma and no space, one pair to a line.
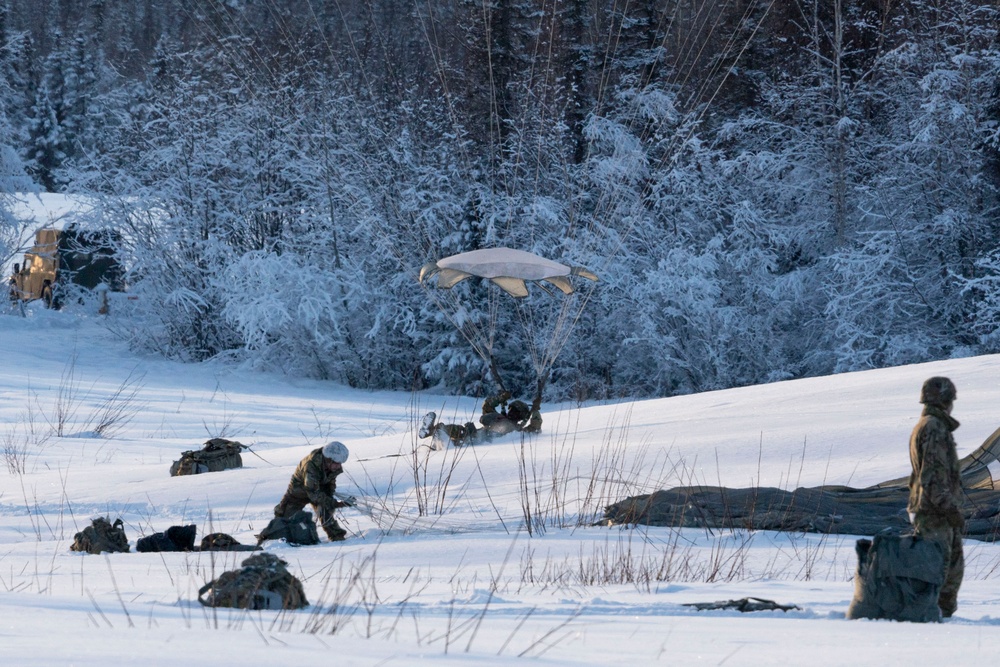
67,401
111,415
22,438
432,476
119,409
557,490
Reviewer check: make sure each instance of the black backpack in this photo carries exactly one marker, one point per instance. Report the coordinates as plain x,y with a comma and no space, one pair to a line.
176,538
898,578
296,529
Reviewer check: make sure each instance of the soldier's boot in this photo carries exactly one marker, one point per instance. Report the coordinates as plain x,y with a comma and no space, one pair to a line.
427,425
333,530
948,603
336,534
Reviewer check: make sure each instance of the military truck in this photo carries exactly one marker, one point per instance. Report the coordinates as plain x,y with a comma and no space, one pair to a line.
70,256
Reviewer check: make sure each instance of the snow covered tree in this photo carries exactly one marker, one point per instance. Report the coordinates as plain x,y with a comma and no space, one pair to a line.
930,218
13,178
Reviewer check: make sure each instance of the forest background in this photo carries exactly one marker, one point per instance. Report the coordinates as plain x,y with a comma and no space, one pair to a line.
767,189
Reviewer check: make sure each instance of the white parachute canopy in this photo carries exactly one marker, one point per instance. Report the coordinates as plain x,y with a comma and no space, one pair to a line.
510,270
506,267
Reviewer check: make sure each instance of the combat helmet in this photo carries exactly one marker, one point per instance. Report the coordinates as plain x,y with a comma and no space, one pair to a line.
938,391
335,451
518,411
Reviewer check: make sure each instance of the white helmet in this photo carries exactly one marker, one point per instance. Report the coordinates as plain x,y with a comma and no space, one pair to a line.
335,451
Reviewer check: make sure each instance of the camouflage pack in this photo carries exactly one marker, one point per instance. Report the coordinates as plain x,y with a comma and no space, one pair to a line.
101,535
217,454
263,582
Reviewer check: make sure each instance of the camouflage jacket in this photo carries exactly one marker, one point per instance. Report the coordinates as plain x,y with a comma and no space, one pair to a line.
936,481
491,403
312,480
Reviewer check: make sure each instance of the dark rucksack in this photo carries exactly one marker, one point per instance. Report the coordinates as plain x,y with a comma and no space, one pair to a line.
264,582
176,538
101,535
224,542
296,529
217,454
898,578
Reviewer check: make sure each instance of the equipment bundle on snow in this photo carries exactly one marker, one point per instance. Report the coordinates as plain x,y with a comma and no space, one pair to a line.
101,535
224,542
296,529
824,509
217,454
176,538
898,578
743,604
181,538
264,582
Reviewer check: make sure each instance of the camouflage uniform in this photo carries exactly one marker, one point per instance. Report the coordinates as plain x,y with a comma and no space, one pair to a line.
518,417
936,486
314,485
459,434
530,424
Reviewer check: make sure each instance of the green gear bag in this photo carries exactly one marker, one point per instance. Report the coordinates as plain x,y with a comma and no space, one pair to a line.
217,454
101,535
263,582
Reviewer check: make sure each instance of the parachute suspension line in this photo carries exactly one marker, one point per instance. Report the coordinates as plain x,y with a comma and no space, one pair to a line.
685,47
481,341
493,298
539,355
727,49
608,201
482,337
235,60
747,18
439,71
544,353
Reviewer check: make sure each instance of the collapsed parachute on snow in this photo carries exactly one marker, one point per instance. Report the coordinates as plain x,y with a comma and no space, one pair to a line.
505,267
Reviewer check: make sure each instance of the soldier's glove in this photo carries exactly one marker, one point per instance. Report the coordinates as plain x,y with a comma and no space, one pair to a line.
504,396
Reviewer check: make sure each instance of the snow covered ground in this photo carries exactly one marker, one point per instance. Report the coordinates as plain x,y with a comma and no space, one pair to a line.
448,574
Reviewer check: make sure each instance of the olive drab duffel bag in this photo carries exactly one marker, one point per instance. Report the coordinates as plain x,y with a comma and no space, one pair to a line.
217,454
263,582
899,577
224,542
101,535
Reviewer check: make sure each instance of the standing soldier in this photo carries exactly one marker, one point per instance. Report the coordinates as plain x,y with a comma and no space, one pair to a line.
935,504
314,482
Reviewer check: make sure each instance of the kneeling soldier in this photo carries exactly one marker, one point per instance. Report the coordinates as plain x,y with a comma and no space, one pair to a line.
314,482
